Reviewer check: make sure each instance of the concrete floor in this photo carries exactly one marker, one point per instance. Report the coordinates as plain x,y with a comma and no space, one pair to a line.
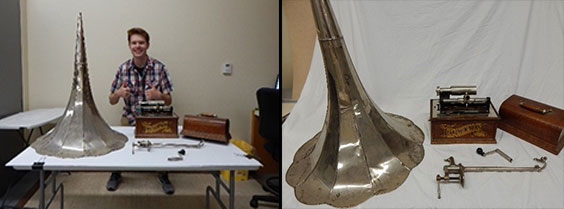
142,190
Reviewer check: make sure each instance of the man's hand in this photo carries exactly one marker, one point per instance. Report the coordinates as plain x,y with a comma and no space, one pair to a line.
153,93
123,91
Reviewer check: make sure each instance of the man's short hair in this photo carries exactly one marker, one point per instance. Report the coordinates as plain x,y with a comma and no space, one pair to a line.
138,31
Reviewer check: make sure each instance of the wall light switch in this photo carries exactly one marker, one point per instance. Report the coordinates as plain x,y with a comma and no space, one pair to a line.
227,70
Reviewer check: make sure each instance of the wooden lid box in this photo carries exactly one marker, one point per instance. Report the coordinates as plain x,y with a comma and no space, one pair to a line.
534,122
206,126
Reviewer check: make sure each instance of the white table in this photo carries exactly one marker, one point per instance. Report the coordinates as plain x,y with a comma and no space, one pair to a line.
30,120
211,157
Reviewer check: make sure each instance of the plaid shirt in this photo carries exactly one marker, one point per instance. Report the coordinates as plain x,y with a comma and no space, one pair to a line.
155,73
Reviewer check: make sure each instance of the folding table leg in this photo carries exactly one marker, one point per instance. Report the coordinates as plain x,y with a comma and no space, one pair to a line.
20,132
38,166
231,189
215,193
29,136
41,189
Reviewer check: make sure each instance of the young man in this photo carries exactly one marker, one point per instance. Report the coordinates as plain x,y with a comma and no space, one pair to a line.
140,78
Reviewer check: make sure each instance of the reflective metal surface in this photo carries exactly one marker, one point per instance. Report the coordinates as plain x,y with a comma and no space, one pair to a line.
361,151
457,90
82,131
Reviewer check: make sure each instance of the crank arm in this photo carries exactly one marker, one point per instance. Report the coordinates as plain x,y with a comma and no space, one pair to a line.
498,151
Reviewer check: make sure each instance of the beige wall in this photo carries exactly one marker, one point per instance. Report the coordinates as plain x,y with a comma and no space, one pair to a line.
301,28
194,38
287,68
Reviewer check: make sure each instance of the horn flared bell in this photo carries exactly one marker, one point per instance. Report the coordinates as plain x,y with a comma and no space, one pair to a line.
361,151
82,131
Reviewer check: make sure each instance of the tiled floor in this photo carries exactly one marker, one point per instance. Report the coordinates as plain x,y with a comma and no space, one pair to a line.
142,190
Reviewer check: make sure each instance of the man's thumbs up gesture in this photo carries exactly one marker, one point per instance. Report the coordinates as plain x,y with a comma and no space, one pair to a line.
123,91
152,93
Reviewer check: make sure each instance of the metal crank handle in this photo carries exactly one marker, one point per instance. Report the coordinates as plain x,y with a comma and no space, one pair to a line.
498,151
179,158
503,155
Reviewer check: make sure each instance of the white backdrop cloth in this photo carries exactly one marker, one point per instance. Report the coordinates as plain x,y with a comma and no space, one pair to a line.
403,50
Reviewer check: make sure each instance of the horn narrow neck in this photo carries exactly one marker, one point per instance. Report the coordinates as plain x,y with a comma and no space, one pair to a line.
327,27
341,74
80,53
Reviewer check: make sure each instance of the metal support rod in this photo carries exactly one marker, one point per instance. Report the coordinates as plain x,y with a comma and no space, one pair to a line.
20,132
210,190
29,136
41,189
498,169
207,197
216,194
149,145
62,195
52,197
53,181
439,189
232,189
217,183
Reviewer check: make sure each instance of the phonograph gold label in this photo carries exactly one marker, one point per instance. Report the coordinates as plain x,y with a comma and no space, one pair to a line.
158,127
472,129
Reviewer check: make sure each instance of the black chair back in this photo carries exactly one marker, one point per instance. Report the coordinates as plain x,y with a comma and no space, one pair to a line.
270,116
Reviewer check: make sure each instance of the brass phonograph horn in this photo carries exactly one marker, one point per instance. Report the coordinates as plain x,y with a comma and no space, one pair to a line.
82,131
361,151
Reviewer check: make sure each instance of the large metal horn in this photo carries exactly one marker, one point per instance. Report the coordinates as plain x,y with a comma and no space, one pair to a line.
81,132
361,151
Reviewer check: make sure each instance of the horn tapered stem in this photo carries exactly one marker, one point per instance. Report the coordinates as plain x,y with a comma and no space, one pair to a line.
80,49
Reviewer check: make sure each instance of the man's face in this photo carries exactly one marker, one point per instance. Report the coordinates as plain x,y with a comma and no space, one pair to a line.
138,45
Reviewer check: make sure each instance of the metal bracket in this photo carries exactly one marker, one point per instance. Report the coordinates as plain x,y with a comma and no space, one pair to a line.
37,166
459,170
148,145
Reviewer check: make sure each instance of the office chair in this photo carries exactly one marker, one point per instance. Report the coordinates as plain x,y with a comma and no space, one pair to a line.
270,108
